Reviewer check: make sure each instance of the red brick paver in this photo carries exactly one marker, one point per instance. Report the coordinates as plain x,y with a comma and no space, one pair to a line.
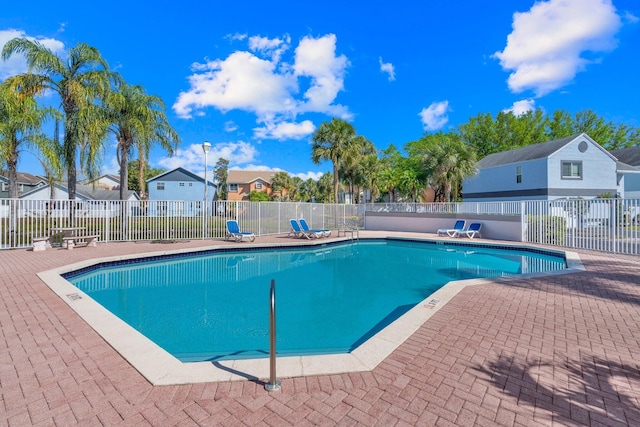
561,350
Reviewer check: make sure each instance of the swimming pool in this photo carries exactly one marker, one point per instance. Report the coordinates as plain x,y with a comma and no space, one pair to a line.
330,299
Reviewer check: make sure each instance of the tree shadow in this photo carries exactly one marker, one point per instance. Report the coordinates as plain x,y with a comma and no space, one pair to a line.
586,391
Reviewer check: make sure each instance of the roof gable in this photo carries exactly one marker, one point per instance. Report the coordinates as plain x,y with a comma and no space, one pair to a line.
534,152
177,174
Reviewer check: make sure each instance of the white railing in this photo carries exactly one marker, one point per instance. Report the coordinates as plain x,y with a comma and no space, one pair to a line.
611,225
117,221
480,208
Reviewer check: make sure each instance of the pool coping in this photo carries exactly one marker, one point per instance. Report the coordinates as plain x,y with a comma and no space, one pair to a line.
161,368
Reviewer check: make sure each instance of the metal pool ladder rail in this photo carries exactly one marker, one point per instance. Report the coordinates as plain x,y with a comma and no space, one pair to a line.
349,227
273,384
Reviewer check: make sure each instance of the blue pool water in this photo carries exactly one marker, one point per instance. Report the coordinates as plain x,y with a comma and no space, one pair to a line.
330,299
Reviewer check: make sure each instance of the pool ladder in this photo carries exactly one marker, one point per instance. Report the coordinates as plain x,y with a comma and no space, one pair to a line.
273,384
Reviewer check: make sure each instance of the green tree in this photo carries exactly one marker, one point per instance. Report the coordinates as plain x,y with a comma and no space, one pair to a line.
331,141
258,196
310,190
388,174
446,161
81,81
370,167
134,179
137,119
507,131
324,189
282,183
296,190
351,168
410,179
221,173
21,122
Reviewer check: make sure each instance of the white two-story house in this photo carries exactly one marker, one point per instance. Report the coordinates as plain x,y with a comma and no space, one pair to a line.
571,167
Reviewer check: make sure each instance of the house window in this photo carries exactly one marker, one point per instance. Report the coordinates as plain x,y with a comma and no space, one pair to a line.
191,184
181,184
160,186
4,186
258,186
233,188
518,174
571,170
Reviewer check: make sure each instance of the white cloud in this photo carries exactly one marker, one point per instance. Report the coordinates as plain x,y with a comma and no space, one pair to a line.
273,48
316,58
192,156
236,36
285,130
270,88
630,18
242,81
521,107
17,64
544,50
306,175
230,126
387,67
435,116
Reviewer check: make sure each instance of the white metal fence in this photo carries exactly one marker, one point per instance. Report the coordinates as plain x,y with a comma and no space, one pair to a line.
610,225
112,221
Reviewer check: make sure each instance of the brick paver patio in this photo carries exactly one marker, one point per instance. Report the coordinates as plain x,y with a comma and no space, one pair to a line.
562,350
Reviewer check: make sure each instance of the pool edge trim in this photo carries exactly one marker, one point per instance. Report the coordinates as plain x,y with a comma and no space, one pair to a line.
161,368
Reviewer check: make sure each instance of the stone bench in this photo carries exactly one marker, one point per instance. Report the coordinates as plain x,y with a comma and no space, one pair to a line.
71,241
41,243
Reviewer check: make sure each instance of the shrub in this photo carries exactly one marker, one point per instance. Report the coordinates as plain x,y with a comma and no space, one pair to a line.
546,229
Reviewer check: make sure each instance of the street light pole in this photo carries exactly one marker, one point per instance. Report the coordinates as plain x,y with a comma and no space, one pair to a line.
206,146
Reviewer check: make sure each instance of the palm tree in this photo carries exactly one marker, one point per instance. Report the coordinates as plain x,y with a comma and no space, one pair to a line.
81,80
331,142
324,187
20,126
137,120
351,167
446,161
281,183
221,173
310,189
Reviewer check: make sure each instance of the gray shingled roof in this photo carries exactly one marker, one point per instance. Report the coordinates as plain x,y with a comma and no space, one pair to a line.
23,177
630,156
530,152
99,193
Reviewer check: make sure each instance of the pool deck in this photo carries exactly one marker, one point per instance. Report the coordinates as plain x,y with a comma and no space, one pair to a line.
556,350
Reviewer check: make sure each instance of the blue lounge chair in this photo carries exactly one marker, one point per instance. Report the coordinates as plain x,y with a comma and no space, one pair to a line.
471,232
319,233
297,231
233,232
459,226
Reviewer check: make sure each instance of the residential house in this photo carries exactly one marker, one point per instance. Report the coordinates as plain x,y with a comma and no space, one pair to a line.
631,157
240,183
90,199
181,185
107,182
26,183
571,167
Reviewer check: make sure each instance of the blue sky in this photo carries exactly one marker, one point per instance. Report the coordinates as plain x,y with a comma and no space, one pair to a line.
256,78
